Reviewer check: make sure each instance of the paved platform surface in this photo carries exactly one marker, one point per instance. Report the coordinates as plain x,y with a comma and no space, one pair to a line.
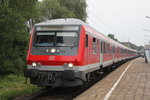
131,81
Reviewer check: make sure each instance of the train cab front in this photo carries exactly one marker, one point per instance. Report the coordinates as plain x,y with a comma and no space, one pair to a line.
53,56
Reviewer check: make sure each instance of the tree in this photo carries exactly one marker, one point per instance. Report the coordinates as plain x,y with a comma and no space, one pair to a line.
53,9
112,36
78,7
13,33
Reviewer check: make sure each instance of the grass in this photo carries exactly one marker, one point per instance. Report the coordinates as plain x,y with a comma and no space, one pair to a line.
12,86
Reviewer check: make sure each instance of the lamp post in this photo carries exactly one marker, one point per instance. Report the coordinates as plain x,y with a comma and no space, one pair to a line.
147,35
147,39
147,49
147,16
146,29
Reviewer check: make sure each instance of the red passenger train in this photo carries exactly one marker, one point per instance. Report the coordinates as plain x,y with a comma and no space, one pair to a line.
68,52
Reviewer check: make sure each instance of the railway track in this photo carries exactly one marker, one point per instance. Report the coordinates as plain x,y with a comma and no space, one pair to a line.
64,93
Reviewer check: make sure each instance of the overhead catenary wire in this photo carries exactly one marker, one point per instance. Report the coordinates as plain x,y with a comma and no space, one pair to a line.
99,23
102,19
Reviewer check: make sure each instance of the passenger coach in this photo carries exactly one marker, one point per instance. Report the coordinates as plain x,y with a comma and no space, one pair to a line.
68,52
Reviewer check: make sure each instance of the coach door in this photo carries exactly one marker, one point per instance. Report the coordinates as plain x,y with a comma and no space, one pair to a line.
101,52
87,50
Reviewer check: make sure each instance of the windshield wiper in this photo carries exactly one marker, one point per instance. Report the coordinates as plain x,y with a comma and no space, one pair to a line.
74,43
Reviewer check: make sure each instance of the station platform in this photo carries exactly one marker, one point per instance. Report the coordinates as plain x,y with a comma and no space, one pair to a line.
131,81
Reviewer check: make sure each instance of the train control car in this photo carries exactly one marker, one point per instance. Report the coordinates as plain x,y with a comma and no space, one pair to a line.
68,52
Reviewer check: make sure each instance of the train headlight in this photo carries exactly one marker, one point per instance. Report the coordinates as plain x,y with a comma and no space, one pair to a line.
53,50
34,64
70,65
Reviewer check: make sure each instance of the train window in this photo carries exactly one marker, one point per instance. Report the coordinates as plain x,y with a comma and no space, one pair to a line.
94,45
56,39
108,48
116,50
119,51
104,47
94,39
44,39
113,49
101,47
66,38
97,45
86,41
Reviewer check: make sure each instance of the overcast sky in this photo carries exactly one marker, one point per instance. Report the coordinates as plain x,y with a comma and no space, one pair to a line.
123,18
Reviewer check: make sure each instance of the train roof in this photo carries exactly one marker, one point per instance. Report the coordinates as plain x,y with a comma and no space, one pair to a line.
63,21
72,21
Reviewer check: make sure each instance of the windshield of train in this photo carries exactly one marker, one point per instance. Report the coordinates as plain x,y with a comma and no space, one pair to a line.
55,39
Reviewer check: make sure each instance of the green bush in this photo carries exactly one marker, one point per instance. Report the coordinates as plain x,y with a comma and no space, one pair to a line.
12,86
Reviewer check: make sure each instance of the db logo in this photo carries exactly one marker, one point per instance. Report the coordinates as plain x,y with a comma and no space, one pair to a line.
51,57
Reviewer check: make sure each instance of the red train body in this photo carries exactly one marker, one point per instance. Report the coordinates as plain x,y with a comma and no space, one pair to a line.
65,52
